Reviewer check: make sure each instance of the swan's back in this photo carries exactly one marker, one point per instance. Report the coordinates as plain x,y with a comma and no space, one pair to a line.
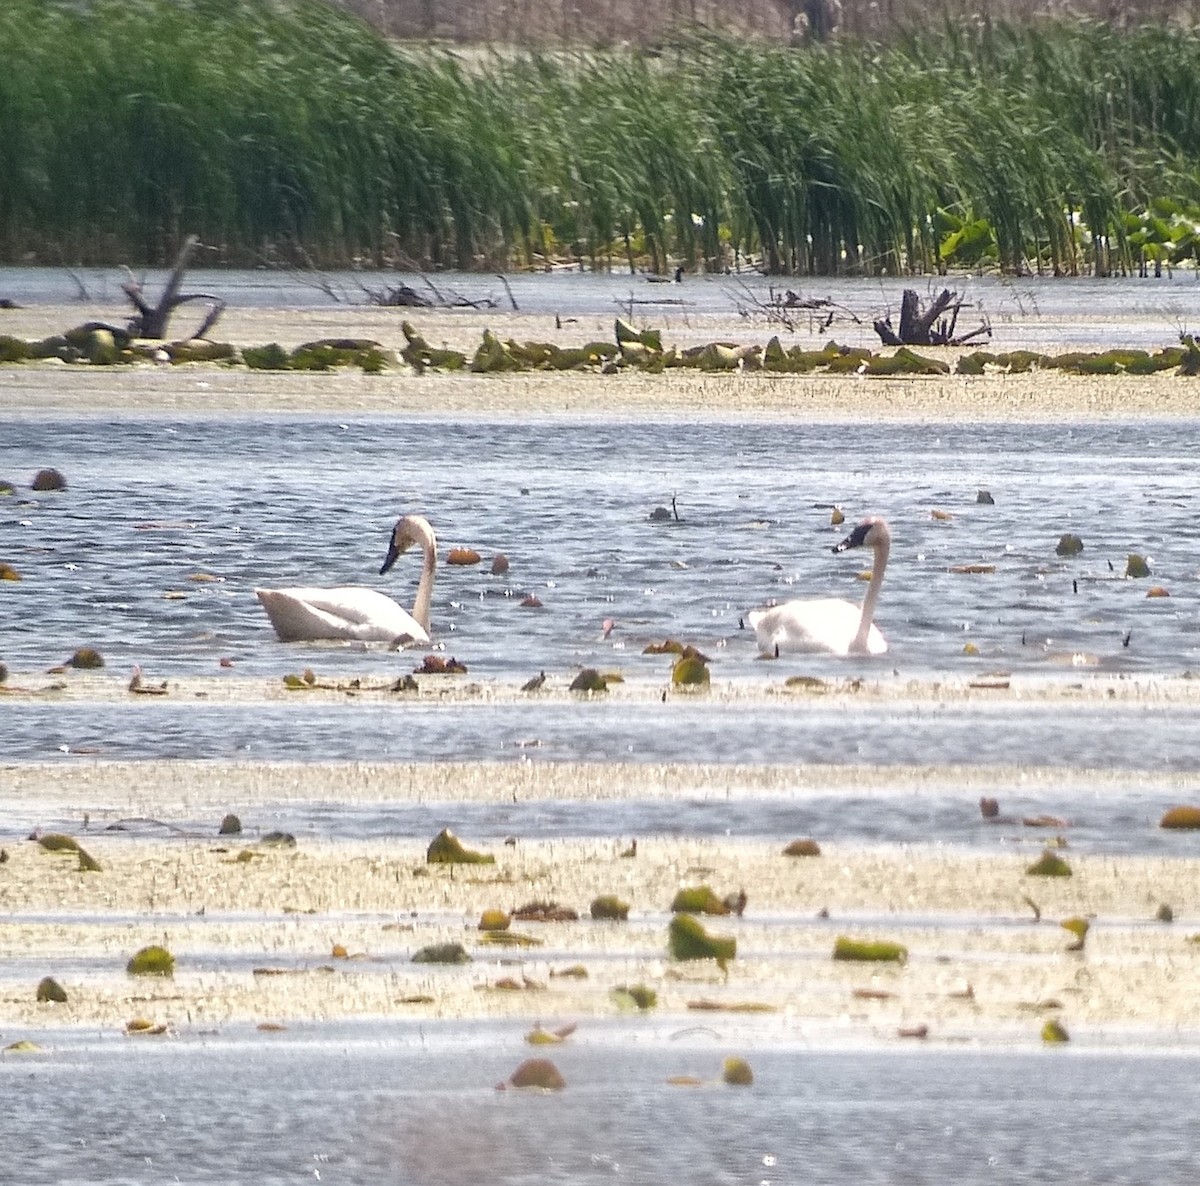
304,614
826,624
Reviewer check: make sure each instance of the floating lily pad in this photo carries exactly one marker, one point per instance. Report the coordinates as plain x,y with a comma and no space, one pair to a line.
1069,545
1078,927
24,1046
141,1026
446,849
463,556
635,996
230,826
1049,864
609,906
86,659
278,840
1180,817
700,899
151,961
690,671
509,939
1136,566
688,940
803,847
494,920
589,680
737,1073
442,953
540,1073
8,573
48,479
49,990
1053,1031
57,842
869,951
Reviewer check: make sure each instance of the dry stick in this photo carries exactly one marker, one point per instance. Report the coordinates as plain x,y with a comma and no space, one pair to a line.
507,289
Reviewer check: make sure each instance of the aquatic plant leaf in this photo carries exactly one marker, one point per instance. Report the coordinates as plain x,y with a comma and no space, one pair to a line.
545,912
24,1046
143,1026
634,996
1078,927
700,899
151,961
589,680
609,906
572,972
540,1073
278,840
871,951
57,842
1180,817
802,847
1049,864
688,940
463,556
1053,1031
446,849
690,672
88,863
48,479
86,659
1069,545
8,573
494,920
442,953
49,990
509,939
736,1072
1136,566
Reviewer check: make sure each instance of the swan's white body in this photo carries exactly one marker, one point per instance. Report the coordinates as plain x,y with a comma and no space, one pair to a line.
308,614
828,623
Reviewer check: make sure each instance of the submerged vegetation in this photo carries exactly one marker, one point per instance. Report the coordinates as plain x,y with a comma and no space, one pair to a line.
290,131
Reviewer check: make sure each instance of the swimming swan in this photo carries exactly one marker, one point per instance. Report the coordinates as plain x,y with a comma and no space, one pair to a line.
352,612
829,623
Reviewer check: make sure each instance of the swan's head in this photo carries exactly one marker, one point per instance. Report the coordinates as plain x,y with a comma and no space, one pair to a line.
870,533
410,530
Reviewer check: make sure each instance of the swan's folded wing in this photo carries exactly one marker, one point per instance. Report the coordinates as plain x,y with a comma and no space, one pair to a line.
820,624
303,614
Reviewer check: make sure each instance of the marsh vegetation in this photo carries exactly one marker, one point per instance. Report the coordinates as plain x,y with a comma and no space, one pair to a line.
294,132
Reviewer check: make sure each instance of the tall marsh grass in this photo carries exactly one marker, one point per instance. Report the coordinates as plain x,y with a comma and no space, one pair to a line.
286,129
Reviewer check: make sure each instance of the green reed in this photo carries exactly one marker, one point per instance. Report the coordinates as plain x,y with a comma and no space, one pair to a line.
287,130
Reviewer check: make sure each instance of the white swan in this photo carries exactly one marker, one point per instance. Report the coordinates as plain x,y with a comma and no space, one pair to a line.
829,623
302,614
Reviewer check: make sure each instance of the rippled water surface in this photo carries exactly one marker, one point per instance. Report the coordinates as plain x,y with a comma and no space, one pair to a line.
387,1104
153,503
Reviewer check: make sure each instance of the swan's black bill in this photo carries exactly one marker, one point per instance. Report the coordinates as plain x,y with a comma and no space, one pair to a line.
855,539
393,554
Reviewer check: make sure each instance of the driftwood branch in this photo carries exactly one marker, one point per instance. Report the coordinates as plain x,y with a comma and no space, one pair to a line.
150,321
936,326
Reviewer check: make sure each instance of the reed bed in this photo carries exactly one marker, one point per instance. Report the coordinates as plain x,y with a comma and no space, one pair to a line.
290,131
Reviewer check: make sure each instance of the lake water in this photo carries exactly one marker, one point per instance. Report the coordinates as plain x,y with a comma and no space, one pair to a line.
398,1104
155,500
1029,313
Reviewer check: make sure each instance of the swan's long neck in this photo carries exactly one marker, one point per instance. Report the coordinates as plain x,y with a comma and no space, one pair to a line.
882,549
420,610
